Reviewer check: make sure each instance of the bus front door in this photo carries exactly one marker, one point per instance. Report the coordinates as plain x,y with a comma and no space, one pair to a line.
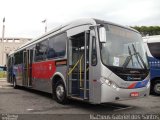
78,64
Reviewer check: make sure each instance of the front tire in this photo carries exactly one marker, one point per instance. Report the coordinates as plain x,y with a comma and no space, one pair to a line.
60,92
156,88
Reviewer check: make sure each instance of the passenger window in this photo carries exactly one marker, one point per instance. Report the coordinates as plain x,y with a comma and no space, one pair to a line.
41,50
18,57
57,46
94,51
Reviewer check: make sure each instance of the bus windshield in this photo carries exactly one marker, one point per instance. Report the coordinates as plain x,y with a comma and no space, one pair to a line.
123,48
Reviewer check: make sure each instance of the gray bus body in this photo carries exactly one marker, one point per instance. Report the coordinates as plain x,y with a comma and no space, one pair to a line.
72,62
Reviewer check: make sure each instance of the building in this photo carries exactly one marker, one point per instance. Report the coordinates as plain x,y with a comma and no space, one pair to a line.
9,44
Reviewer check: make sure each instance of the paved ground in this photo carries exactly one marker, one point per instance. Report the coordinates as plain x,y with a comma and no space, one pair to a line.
40,105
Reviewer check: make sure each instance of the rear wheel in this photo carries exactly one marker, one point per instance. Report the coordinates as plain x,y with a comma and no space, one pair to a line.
60,92
156,88
14,83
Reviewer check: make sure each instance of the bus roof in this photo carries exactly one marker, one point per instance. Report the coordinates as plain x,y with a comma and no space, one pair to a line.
107,22
86,21
58,30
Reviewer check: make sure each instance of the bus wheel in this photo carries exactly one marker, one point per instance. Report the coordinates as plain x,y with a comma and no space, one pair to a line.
156,88
14,83
60,92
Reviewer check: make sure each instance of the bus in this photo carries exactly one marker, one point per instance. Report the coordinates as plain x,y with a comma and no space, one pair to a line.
88,59
152,45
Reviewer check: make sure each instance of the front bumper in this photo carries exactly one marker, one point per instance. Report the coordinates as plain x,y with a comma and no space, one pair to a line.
109,94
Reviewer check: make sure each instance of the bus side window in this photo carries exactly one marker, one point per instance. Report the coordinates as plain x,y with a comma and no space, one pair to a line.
94,52
18,59
41,50
57,46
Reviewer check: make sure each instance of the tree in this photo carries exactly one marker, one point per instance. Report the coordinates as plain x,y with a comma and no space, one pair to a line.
147,30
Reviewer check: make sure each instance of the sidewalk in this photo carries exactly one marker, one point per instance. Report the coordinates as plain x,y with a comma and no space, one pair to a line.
4,83
3,79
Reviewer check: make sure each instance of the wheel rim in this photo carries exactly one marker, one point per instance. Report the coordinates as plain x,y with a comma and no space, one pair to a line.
14,83
60,92
157,88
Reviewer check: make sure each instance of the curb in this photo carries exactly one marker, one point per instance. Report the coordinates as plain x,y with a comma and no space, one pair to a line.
3,79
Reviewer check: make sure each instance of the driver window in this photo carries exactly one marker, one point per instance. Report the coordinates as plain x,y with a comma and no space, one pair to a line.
94,52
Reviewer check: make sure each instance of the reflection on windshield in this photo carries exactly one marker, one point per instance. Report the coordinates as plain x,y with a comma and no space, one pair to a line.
123,48
137,55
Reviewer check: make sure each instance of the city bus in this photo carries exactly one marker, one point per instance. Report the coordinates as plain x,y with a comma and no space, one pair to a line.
152,45
89,60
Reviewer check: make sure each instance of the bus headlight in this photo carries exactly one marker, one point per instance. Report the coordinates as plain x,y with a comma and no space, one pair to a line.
108,82
114,86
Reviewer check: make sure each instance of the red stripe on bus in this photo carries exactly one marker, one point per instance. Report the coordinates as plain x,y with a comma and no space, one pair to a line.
132,85
43,70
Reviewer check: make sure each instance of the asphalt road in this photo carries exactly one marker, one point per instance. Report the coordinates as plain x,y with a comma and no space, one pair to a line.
22,103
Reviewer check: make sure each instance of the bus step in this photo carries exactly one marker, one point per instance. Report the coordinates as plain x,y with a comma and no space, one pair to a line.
77,98
76,95
73,79
83,89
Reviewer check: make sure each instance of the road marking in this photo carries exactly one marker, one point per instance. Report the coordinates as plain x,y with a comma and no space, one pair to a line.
123,108
30,109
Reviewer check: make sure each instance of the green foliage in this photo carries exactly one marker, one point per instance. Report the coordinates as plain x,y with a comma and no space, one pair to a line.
2,74
147,30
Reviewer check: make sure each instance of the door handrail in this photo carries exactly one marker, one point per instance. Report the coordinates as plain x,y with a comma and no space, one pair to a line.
70,71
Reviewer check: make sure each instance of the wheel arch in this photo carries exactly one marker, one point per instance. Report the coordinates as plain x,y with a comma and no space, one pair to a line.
153,83
155,80
56,78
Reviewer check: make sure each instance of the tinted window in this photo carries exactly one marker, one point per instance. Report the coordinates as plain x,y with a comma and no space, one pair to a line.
41,50
15,58
154,49
94,51
57,46
19,57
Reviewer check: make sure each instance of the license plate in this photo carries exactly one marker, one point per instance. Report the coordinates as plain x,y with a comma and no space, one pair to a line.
134,94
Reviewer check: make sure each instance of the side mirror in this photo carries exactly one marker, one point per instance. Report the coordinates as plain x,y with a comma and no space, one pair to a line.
102,35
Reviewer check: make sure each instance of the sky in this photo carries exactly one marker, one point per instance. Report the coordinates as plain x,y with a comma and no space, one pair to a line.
23,18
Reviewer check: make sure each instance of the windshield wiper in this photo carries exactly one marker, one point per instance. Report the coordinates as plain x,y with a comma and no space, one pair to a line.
125,64
130,57
129,51
137,54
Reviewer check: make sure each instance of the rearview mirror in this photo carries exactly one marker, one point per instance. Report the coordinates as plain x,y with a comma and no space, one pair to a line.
102,34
